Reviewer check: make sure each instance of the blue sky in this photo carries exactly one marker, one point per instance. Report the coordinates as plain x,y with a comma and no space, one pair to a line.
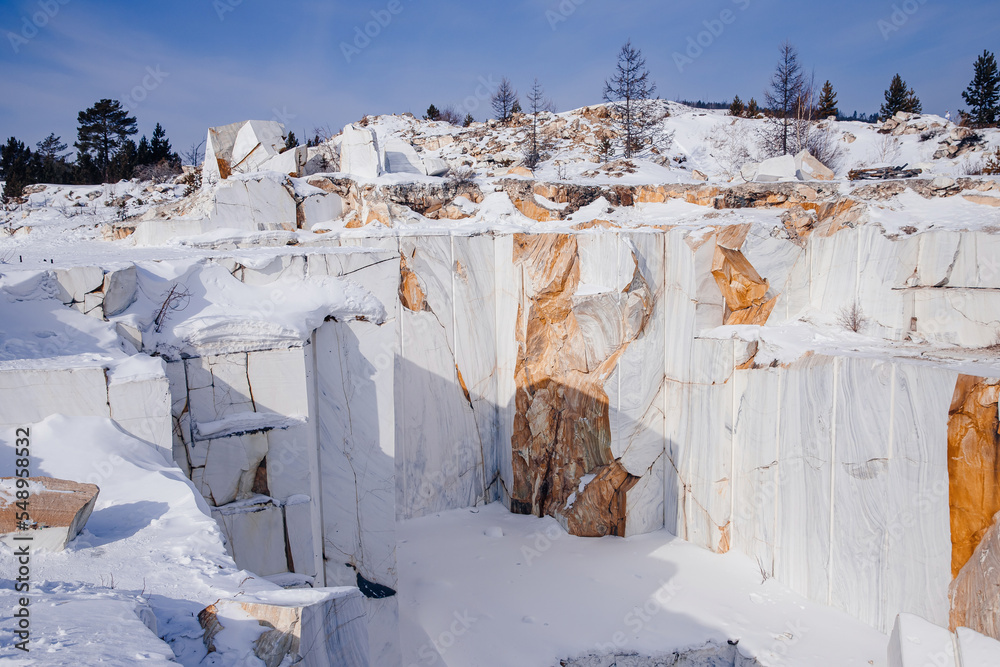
190,64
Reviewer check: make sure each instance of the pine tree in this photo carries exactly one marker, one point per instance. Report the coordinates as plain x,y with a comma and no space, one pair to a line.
899,98
432,113
51,153
537,103
103,129
737,108
827,105
787,86
469,120
160,148
983,94
752,109
124,162
17,168
629,94
291,141
505,101
144,152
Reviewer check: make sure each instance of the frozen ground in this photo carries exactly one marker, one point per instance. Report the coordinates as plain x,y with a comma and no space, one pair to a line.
485,587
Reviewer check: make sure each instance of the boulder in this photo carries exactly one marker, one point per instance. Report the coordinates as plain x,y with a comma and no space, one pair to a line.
782,168
401,157
976,649
699,175
435,166
811,169
749,171
942,183
359,153
58,511
291,162
520,171
915,642
308,628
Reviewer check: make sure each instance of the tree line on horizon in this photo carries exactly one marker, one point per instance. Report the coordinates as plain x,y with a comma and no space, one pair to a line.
105,153
790,96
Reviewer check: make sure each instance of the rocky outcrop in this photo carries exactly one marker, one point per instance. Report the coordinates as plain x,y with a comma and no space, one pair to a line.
568,346
959,141
973,465
57,509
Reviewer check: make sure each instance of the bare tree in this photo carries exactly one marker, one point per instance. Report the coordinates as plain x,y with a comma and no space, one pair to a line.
534,147
784,96
505,100
450,115
195,154
852,318
630,96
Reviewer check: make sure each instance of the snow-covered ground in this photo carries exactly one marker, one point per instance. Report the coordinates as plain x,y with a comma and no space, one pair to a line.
484,587
150,544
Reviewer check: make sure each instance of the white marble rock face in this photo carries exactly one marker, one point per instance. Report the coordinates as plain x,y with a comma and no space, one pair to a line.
832,474
475,307
507,300
29,396
142,407
443,437
354,399
251,530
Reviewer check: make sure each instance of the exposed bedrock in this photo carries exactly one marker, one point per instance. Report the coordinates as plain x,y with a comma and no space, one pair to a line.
568,346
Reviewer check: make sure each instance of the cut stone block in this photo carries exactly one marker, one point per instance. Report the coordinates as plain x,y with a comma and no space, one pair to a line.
308,628
119,290
58,511
75,283
359,153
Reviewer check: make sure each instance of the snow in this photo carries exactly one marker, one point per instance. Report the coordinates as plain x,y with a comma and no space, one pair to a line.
211,312
917,214
535,595
149,542
246,422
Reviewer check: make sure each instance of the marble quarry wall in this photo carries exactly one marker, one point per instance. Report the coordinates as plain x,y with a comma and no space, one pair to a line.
253,429
612,407
582,376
